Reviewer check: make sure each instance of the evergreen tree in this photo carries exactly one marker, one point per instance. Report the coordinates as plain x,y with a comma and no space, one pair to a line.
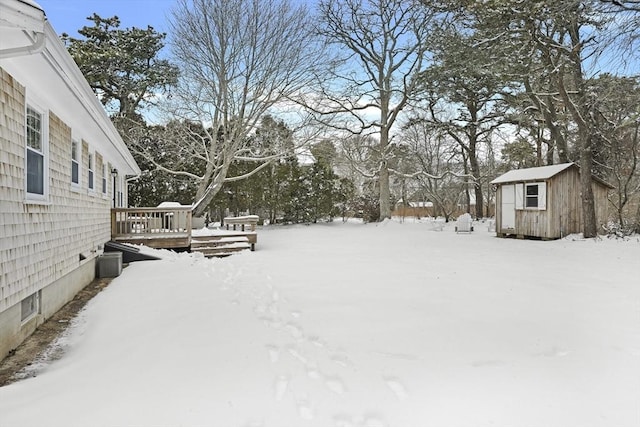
323,188
123,66
124,69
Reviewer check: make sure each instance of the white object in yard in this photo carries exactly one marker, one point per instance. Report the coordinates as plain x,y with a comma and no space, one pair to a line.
437,225
464,224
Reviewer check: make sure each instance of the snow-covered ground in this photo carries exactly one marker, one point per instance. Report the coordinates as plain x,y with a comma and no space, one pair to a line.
353,325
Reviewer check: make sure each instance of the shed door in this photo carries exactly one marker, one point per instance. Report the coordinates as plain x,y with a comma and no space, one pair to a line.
508,215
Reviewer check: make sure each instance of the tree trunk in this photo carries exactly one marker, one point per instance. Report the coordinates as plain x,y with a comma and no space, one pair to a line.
475,168
551,117
581,114
201,204
383,177
590,226
385,192
207,190
546,105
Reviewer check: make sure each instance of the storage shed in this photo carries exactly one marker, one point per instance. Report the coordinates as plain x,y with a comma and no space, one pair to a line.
544,202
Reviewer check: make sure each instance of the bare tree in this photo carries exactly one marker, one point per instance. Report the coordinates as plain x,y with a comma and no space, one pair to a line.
438,158
462,93
381,47
624,5
239,61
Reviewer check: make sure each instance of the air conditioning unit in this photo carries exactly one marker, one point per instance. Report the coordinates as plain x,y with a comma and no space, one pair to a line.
110,264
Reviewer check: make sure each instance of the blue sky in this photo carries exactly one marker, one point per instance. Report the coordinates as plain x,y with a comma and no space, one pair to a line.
68,16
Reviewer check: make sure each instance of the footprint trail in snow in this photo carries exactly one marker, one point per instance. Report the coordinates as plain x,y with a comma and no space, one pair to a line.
310,353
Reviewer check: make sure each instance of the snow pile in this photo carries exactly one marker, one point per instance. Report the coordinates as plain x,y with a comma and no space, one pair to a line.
353,325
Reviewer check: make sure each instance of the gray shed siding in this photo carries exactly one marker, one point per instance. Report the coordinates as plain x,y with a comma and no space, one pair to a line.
563,213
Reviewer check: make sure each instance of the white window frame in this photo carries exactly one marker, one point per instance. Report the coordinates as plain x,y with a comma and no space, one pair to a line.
91,180
76,161
539,196
120,192
29,307
105,182
42,151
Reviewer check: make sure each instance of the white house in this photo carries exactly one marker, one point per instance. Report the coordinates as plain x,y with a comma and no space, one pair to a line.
62,167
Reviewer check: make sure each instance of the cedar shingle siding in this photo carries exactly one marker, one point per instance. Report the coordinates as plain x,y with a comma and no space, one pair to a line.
52,232
40,243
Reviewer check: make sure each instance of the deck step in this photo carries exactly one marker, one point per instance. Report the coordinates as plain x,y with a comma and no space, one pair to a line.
213,242
223,250
219,246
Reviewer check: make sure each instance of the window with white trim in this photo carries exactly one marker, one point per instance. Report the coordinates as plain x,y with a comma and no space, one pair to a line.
36,154
105,187
120,202
531,196
91,174
30,306
75,163
535,195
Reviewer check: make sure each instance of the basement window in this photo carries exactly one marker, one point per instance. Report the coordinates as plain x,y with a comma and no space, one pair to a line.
30,306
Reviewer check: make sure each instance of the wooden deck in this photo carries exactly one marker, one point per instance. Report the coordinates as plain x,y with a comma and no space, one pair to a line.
153,227
171,228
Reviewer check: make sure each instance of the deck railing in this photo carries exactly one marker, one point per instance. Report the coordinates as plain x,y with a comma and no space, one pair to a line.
150,223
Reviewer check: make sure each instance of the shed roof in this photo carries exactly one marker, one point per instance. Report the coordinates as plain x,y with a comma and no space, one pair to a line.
532,174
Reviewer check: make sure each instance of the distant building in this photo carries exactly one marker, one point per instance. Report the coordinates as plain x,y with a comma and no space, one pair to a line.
63,166
416,209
